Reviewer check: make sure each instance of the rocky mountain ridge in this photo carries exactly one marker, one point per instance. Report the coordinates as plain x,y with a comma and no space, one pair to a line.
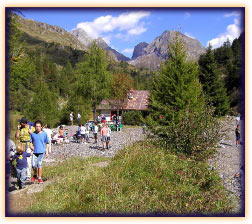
86,40
145,55
153,54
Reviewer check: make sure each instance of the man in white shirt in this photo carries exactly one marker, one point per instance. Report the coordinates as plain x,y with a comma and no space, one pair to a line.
95,132
49,133
78,118
83,133
87,133
71,117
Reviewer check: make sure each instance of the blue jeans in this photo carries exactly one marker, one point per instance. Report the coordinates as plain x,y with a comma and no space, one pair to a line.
37,159
21,177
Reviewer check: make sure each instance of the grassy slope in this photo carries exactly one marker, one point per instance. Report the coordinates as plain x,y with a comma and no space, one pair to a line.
140,179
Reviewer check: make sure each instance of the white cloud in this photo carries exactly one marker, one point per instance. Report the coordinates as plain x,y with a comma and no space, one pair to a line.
137,30
187,15
128,22
232,31
236,14
189,35
128,50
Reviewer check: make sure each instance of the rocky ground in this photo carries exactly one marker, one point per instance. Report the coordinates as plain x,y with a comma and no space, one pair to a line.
118,141
227,161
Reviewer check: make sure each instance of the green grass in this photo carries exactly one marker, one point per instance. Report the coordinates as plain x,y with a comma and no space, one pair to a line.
140,179
14,118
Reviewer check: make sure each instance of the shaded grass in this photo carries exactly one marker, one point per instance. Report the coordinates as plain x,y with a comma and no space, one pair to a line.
141,179
13,122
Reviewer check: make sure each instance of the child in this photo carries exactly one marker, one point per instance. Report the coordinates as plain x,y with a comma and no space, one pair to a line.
49,133
237,134
95,131
108,137
21,158
144,128
87,133
11,153
61,136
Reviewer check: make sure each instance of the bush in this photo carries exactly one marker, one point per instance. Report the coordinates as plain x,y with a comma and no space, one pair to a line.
132,118
195,134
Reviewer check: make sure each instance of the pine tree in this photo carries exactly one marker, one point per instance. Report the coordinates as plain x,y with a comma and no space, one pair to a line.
93,78
43,105
212,84
63,82
178,114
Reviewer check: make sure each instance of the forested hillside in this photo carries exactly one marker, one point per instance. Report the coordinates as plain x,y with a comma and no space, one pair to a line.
47,80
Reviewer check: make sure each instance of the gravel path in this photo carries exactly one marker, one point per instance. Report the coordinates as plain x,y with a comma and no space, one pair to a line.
118,141
228,161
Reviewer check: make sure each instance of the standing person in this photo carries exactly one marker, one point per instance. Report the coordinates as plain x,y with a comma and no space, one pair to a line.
95,132
83,133
22,134
104,133
79,134
11,152
40,145
61,134
87,133
21,166
144,128
237,134
238,118
103,119
49,133
71,116
114,118
98,118
108,137
78,118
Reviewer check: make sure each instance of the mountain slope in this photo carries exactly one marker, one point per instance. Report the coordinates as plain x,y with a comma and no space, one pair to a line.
77,39
49,33
104,45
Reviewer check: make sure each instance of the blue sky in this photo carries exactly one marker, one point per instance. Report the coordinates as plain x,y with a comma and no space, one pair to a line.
123,28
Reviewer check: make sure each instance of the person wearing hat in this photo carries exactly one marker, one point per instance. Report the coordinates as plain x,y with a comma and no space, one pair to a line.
22,134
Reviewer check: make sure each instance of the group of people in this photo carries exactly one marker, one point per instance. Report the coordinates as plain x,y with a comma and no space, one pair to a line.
32,145
83,134
78,117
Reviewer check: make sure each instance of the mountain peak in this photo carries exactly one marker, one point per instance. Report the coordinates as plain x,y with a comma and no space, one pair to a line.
139,50
151,55
82,36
